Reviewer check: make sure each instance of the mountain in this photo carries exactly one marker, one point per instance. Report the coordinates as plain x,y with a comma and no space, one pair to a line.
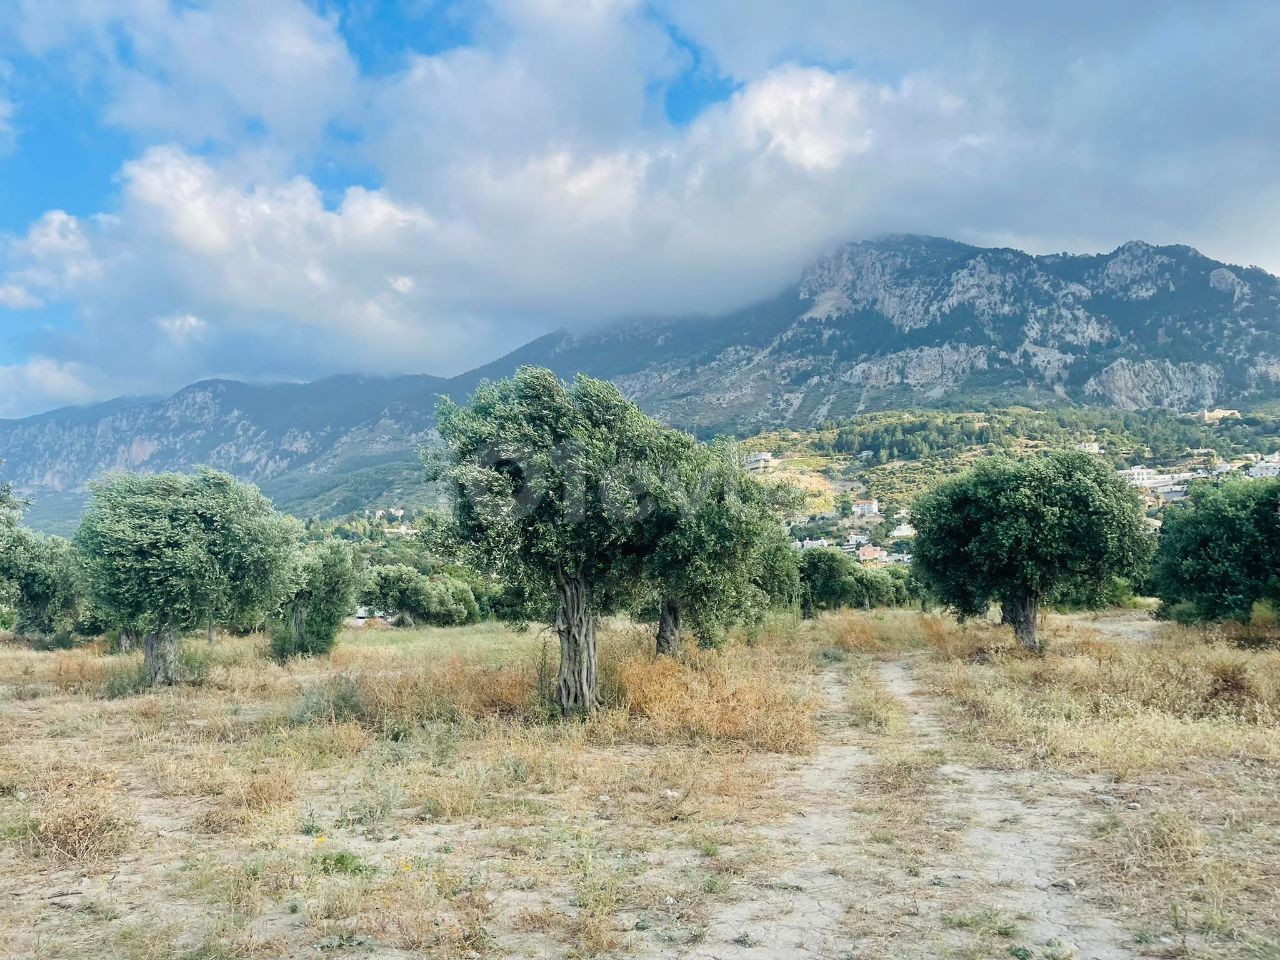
906,320
322,448
924,321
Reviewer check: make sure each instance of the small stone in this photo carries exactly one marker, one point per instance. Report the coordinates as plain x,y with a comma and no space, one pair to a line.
1066,883
1133,805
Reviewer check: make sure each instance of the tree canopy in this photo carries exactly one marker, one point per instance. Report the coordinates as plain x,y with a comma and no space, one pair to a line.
707,530
830,579
170,552
438,600
1015,532
1220,550
321,594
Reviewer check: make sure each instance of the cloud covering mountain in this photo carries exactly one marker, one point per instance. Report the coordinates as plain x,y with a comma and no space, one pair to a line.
281,189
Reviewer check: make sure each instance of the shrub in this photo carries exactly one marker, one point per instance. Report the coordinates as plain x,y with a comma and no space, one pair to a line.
438,600
79,816
323,596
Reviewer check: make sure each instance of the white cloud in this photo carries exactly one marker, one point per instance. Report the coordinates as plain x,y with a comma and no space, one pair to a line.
8,136
182,328
531,178
43,382
16,297
200,73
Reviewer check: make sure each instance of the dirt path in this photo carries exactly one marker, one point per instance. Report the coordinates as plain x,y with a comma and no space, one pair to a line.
1132,626
837,896
799,912
1022,828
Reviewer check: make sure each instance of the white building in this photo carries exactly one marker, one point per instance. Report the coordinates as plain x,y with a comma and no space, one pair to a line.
808,544
1139,476
902,531
756,462
866,508
1091,446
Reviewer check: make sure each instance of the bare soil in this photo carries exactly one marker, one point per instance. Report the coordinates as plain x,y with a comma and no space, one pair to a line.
997,876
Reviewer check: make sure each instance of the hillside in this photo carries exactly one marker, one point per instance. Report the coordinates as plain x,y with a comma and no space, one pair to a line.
893,456
897,322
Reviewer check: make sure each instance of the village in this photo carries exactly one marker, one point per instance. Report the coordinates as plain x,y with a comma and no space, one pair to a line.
878,532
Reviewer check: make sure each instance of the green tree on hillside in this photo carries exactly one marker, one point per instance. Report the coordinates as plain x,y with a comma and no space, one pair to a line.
830,579
169,553
544,479
1220,550
1015,532
46,580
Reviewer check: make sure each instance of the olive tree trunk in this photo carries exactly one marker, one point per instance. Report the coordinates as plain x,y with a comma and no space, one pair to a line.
160,657
577,689
213,632
1022,615
669,629
127,642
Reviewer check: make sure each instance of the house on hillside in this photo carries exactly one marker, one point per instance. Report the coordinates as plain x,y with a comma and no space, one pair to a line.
902,531
1214,416
1091,446
1139,476
756,462
865,508
807,544
869,553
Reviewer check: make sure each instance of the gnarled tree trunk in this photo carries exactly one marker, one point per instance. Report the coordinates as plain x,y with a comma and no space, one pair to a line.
160,657
213,632
127,642
1022,615
669,629
576,688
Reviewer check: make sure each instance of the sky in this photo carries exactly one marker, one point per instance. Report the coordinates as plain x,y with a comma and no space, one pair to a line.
284,189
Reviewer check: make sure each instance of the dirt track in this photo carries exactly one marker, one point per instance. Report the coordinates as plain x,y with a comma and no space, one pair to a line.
1000,873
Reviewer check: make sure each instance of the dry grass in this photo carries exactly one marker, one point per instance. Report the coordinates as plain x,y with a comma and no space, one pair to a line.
1120,708
77,815
741,697
1189,734
411,791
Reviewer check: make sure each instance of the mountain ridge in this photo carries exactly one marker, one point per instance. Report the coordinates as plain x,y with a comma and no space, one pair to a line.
900,320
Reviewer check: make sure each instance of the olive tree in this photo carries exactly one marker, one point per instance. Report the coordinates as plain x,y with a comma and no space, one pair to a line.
545,480
707,528
171,552
830,579
45,580
1220,550
435,599
1016,532
321,594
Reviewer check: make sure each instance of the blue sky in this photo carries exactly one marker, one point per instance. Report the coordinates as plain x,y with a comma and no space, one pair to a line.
289,188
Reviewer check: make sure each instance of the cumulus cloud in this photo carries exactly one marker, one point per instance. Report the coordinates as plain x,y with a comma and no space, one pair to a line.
531,177
195,74
43,382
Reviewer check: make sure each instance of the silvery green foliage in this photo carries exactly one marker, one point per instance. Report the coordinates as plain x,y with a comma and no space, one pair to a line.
707,533
547,481
321,595
172,552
